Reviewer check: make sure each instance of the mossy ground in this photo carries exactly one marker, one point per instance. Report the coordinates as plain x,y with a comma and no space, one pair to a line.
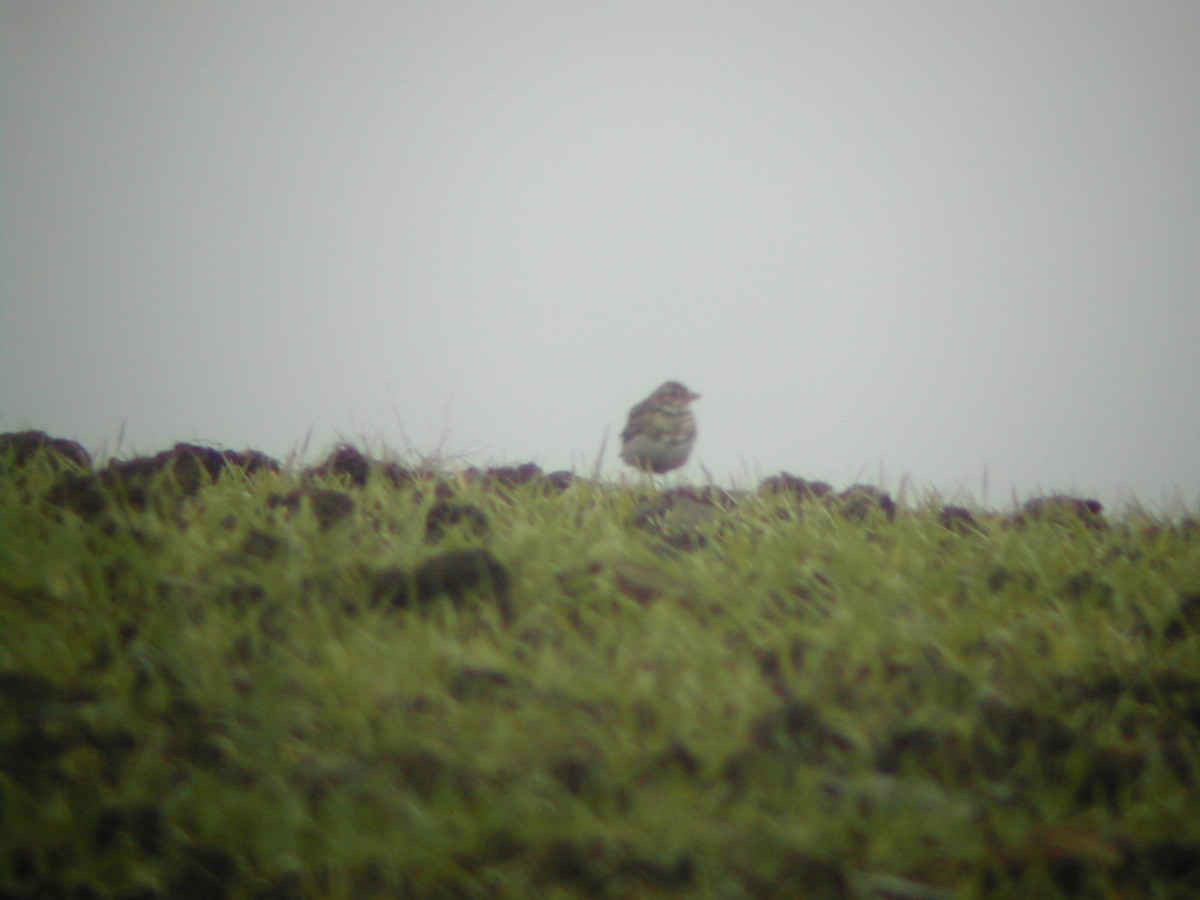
204,692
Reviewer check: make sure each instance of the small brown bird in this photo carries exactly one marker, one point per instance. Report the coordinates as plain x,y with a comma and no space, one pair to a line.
661,430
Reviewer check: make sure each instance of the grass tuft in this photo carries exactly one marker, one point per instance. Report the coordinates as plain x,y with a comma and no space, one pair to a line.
220,676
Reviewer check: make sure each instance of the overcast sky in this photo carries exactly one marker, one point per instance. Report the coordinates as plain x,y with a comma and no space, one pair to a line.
947,241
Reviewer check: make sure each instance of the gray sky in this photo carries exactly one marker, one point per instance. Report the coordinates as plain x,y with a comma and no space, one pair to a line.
932,239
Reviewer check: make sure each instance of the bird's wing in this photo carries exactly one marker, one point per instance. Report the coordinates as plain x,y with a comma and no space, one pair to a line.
637,420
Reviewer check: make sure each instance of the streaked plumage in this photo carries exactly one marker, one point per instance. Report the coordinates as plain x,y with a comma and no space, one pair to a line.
661,430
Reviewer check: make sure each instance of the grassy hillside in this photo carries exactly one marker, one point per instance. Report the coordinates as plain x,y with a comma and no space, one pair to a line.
220,677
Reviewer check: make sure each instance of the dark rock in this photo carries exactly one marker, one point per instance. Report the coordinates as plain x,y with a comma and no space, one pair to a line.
185,468
505,476
860,500
1063,509
393,586
800,488
130,479
460,571
443,516
1186,620
639,582
261,545
707,495
251,461
193,466
677,517
452,574
397,474
856,502
958,518
346,461
330,507
79,493
561,480
290,502
999,578
19,448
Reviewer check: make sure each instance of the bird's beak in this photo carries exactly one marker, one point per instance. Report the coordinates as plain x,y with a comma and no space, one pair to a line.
692,396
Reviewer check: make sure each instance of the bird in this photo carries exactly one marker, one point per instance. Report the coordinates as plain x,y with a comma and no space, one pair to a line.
661,430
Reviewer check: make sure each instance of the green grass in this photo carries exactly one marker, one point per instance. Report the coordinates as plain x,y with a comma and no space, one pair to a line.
209,697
